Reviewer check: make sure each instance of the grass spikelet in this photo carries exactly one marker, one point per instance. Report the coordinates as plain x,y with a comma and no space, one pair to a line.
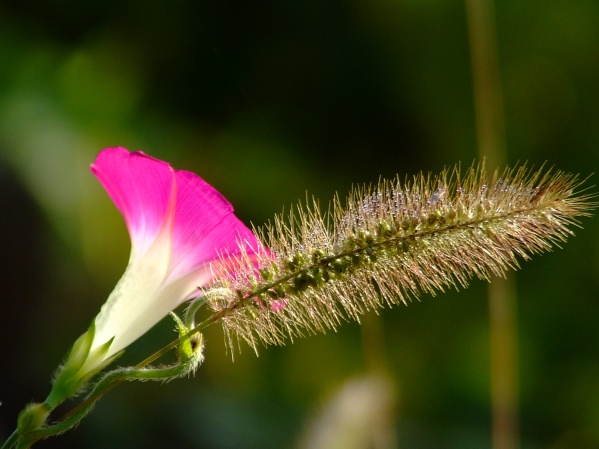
388,243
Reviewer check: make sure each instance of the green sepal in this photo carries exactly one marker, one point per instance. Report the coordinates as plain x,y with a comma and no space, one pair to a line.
79,352
190,346
185,347
80,366
32,418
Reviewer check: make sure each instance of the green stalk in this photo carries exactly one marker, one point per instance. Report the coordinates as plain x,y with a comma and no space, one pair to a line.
501,292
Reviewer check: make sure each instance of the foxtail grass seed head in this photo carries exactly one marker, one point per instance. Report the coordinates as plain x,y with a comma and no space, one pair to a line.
391,242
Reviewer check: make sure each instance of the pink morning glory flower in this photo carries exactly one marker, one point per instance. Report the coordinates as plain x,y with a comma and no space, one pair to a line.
178,225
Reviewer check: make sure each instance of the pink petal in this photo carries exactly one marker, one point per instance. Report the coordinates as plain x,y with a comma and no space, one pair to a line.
140,187
151,195
205,227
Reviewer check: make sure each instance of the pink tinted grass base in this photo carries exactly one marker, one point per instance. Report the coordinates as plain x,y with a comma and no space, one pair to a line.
278,305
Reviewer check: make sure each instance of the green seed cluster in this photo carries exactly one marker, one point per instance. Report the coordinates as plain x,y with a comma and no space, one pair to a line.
387,238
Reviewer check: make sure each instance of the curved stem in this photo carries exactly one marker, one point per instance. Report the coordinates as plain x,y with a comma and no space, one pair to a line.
189,358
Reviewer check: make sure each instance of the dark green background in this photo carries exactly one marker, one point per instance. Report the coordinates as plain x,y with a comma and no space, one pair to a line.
268,100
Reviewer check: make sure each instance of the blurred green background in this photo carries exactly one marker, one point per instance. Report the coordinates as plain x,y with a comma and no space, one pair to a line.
268,100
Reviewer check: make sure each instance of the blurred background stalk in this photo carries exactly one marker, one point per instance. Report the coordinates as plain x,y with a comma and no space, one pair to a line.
488,105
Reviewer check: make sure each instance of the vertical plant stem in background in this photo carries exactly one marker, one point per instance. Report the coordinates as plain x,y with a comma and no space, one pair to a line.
504,362
488,104
383,429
